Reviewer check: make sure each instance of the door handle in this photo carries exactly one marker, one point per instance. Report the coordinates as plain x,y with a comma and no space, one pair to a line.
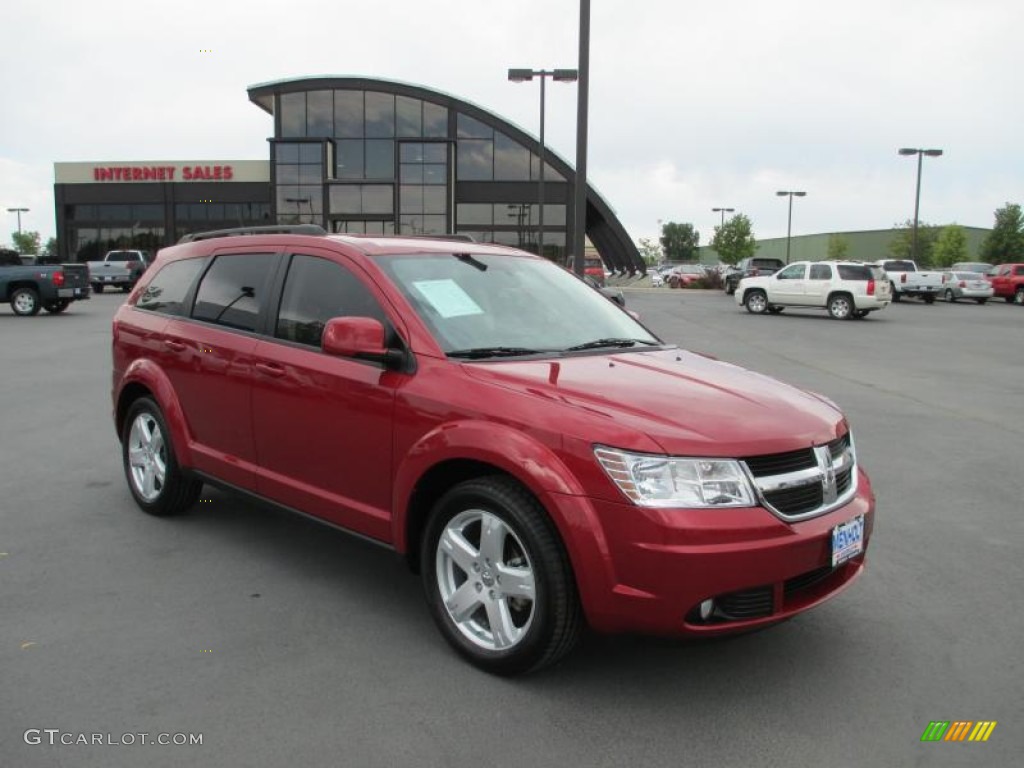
270,370
176,346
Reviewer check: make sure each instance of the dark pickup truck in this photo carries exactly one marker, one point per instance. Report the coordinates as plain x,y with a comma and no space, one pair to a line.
31,287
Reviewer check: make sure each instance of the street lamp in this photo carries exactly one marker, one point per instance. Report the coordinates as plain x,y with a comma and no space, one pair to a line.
18,211
789,226
917,197
525,75
724,211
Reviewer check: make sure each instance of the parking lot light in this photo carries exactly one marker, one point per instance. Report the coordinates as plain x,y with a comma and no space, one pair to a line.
907,151
789,225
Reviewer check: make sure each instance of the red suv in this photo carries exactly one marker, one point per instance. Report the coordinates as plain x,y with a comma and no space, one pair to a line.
542,459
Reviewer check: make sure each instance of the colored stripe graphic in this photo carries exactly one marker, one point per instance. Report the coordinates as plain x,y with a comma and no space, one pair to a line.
983,730
958,731
935,730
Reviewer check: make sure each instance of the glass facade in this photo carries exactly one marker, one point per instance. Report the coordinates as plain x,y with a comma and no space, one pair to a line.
399,165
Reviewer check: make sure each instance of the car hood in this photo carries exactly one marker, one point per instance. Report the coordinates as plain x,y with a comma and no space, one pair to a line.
686,403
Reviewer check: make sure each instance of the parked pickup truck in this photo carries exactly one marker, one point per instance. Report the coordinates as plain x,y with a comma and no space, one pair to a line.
119,269
1008,281
32,287
907,280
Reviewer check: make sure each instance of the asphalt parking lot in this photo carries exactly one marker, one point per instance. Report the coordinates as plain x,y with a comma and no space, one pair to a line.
283,642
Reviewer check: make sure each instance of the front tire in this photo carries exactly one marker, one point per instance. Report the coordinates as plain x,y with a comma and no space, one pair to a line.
840,307
157,483
1018,296
756,302
25,302
497,578
97,288
981,301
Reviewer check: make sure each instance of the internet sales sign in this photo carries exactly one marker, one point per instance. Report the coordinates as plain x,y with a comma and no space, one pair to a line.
163,173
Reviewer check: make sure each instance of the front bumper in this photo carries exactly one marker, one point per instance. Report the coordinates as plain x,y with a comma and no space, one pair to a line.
648,570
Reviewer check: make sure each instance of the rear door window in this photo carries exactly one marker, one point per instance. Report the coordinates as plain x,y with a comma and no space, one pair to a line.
167,292
821,272
233,290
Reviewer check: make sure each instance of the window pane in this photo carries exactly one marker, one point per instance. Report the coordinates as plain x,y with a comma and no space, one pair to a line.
310,174
410,199
550,174
232,290
821,272
475,160
380,114
345,198
475,214
286,153
311,197
293,114
311,153
435,152
287,174
148,212
435,200
348,114
378,198
380,159
435,120
511,160
411,174
317,290
168,289
410,152
435,174
350,158
410,116
470,128
434,225
554,215
319,113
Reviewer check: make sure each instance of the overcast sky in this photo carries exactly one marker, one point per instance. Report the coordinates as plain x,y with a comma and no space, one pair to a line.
692,105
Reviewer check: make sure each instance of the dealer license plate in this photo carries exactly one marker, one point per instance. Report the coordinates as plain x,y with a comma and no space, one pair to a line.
847,540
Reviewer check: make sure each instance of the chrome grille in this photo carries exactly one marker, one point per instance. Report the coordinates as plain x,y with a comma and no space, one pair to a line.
800,484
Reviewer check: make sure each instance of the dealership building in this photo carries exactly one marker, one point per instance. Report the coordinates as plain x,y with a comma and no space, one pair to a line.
355,155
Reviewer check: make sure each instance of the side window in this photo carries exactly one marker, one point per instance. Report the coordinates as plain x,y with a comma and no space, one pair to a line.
794,272
316,290
166,292
821,272
1018,270
231,292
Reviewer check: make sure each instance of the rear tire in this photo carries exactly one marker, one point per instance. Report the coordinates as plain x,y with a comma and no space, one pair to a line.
56,307
1018,297
895,294
929,298
840,306
981,301
25,302
481,532
756,302
157,483
97,288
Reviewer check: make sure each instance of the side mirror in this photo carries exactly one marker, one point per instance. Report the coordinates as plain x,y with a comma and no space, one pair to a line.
359,337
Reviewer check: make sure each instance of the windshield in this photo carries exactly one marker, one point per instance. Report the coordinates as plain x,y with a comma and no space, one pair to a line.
509,305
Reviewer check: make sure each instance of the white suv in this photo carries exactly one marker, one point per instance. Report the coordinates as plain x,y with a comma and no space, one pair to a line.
847,289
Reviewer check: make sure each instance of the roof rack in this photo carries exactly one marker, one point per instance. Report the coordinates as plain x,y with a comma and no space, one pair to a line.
273,229
461,237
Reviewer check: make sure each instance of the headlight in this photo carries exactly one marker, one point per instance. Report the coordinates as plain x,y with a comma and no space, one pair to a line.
665,481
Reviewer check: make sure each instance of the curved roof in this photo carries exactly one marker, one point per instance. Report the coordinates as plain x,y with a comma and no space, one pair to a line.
603,227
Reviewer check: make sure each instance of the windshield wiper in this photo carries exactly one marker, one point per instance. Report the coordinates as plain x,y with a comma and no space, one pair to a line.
611,342
478,352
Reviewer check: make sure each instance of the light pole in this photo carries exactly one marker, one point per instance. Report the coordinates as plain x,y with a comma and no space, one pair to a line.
525,75
789,225
18,211
917,197
724,211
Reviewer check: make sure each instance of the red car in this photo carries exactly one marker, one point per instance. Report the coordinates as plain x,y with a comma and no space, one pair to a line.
542,459
1008,281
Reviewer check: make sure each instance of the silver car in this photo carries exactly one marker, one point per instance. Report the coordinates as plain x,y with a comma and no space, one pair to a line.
966,285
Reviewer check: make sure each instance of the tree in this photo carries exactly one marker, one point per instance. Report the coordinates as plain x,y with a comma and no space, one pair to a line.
650,252
903,238
679,241
26,242
734,240
838,247
950,246
1005,243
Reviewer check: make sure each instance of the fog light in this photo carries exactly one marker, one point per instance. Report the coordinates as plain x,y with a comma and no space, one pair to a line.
706,609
